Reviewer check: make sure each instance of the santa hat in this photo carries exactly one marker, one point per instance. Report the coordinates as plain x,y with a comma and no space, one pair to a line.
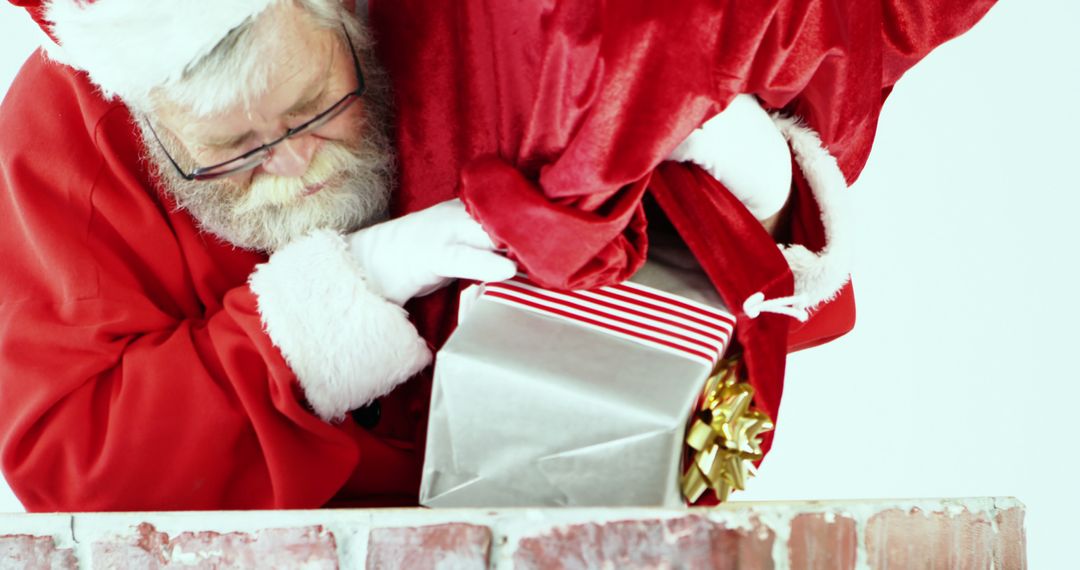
129,47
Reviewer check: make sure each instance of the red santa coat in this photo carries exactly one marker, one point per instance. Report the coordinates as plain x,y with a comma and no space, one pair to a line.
135,371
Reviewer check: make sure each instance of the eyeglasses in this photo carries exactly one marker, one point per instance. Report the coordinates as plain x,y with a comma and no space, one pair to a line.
256,156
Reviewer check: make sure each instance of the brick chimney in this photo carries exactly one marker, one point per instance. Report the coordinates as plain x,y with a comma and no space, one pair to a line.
982,533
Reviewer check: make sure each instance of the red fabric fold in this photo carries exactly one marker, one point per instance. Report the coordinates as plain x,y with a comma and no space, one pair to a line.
600,245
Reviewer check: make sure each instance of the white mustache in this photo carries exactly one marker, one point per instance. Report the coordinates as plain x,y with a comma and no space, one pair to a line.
271,190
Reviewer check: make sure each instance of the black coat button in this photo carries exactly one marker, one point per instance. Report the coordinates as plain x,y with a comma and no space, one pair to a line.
368,416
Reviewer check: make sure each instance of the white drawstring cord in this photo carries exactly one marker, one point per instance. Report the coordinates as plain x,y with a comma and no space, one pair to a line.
793,306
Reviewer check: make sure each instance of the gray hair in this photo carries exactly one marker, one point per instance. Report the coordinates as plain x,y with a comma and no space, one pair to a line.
233,73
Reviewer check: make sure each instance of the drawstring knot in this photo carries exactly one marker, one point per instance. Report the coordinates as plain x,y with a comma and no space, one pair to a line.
793,306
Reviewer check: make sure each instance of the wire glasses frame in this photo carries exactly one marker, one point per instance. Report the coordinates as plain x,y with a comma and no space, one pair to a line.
256,156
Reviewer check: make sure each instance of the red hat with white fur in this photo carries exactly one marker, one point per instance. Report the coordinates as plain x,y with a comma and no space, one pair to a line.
129,47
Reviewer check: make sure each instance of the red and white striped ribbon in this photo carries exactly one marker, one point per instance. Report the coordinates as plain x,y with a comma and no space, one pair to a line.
634,312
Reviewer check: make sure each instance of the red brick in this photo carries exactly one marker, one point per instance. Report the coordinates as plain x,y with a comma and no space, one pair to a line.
686,542
1010,543
27,552
742,549
309,547
822,542
454,545
913,539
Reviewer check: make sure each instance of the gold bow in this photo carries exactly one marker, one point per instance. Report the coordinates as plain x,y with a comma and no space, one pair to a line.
725,436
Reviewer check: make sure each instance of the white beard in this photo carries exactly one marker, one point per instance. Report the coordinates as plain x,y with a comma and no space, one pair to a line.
272,211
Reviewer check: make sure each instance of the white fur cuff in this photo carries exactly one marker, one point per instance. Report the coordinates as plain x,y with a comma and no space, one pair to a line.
346,344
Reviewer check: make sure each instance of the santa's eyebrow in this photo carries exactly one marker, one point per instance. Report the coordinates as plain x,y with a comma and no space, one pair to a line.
311,96
226,142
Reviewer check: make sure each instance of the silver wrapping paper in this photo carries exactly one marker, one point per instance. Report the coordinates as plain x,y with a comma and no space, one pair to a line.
530,409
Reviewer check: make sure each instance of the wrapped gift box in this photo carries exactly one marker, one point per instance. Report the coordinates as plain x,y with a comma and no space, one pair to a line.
568,397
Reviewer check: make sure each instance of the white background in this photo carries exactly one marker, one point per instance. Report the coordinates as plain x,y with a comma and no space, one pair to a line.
960,378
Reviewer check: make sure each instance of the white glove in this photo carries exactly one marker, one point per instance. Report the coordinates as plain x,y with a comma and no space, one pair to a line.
423,251
742,148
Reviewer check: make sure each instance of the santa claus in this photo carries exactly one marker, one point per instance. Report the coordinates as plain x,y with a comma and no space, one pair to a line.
221,290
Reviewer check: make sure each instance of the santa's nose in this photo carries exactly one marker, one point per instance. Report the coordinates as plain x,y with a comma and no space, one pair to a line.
291,157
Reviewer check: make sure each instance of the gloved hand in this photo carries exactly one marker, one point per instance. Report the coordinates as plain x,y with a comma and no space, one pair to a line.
421,252
743,149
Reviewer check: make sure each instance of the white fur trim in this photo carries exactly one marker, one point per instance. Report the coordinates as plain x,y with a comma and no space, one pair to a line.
819,277
346,344
128,47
